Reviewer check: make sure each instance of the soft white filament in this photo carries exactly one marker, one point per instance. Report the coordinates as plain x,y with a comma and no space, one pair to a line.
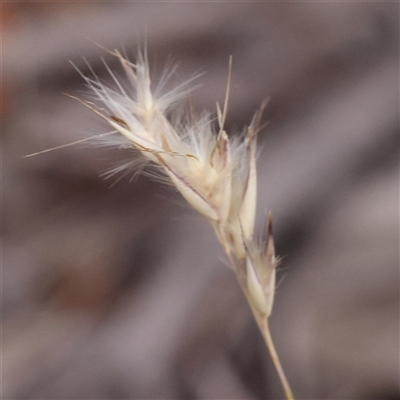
216,174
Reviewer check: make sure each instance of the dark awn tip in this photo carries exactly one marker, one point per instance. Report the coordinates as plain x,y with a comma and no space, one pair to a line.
270,230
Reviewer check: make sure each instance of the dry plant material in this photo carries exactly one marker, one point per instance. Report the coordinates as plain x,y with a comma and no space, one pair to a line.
215,173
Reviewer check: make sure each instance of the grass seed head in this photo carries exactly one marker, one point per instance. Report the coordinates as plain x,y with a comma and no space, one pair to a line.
215,173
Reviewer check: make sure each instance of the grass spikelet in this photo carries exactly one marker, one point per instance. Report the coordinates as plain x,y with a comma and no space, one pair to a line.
215,173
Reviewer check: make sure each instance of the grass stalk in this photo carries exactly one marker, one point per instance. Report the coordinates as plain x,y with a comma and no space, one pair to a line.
214,172
263,326
266,333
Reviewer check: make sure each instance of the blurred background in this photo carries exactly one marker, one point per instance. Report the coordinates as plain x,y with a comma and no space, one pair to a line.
115,289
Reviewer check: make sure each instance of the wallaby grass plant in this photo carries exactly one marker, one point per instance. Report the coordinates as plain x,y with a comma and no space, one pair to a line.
214,172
